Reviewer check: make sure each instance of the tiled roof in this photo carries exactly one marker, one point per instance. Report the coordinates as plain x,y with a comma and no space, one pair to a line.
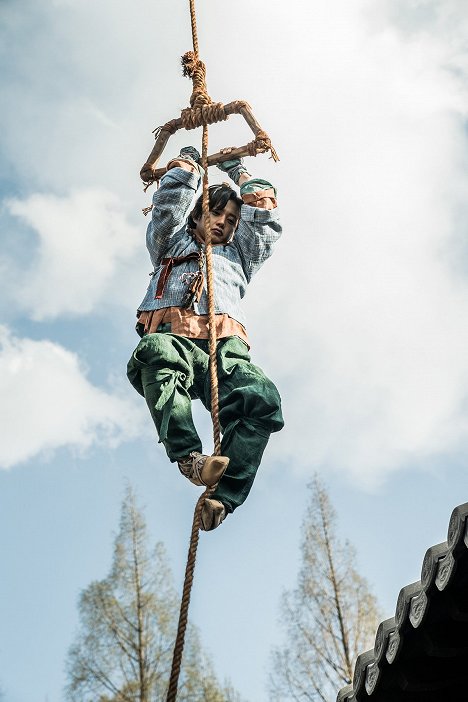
421,654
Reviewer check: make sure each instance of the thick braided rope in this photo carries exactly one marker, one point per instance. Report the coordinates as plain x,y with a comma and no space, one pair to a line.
194,537
211,301
184,606
201,98
193,20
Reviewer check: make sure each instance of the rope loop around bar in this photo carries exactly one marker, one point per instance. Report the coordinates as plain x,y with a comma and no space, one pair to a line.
193,117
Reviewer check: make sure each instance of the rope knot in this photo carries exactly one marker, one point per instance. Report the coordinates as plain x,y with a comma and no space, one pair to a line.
170,127
260,144
194,68
196,116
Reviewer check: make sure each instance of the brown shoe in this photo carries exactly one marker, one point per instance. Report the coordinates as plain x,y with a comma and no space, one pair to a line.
203,470
212,514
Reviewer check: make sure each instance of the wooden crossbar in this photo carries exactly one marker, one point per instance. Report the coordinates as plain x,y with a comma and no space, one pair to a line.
261,143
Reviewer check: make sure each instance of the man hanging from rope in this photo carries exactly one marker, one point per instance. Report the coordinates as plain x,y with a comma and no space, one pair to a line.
170,364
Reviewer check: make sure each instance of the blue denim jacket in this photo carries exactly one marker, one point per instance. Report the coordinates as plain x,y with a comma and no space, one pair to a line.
234,264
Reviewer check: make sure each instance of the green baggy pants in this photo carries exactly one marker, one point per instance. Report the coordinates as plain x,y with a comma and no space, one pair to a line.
170,371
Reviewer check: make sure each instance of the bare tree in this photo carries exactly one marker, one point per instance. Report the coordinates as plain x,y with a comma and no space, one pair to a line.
329,618
123,650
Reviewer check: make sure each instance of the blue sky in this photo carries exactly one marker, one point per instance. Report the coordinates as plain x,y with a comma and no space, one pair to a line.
360,317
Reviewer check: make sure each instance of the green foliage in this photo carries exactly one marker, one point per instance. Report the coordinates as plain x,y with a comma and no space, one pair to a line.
329,619
128,621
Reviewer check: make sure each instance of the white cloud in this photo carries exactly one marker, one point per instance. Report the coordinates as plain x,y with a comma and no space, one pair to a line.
370,323
84,262
364,304
87,90
48,403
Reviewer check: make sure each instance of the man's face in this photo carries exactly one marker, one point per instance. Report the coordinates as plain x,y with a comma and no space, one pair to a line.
223,224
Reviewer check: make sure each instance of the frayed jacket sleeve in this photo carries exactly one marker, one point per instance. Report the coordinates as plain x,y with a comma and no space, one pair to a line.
171,203
256,235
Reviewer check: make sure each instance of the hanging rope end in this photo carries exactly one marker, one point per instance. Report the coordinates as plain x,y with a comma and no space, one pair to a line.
273,154
189,63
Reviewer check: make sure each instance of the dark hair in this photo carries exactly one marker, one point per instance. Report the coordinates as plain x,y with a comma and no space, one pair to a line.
219,196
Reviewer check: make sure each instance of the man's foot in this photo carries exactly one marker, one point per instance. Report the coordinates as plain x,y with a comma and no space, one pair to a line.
212,514
203,470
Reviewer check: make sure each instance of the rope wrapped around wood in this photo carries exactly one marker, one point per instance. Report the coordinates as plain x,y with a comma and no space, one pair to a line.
193,117
261,144
202,109
170,127
207,113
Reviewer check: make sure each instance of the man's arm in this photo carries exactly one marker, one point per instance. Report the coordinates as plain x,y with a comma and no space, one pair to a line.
254,192
259,227
171,203
258,231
